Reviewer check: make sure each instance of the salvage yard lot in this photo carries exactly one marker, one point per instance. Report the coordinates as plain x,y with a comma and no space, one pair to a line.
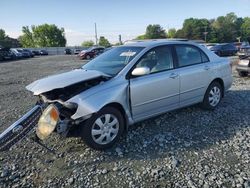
188,147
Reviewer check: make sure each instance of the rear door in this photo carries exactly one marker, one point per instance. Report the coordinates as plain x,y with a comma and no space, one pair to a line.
194,70
158,91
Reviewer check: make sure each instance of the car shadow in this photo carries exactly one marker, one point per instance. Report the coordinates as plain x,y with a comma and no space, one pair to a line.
183,130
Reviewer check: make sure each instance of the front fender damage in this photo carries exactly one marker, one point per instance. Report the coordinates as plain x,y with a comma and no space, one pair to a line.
90,104
75,102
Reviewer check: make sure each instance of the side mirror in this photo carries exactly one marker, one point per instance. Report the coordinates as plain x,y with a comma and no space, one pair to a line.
140,71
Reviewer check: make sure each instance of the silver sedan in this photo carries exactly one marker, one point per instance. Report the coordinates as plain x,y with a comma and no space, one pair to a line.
125,85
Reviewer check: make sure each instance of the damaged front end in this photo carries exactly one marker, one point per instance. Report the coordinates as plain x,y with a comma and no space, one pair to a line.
18,130
52,113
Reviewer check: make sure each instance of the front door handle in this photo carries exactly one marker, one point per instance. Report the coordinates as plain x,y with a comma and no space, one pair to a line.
173,75
206,67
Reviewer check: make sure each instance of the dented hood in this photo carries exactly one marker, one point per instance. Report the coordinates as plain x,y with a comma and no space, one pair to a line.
62,80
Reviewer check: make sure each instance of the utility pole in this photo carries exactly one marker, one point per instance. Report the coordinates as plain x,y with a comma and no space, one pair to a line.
205,34
120,39
96,39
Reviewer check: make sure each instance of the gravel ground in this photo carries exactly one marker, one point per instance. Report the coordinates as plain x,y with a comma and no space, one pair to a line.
185,148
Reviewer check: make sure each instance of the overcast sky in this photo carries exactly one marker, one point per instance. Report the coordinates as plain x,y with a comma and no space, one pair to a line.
113,17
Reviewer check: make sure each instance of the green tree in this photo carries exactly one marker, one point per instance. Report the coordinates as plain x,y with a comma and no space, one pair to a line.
171,33
27,38
225,28
4,39
141,37
104,42
179,34
245,28
87,43
194,29
238,24
43,36
155,32
2,34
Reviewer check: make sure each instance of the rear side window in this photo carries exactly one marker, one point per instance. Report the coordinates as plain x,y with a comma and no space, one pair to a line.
204,57
190,55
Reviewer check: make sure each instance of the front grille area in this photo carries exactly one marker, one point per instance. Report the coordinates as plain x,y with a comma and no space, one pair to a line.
18,130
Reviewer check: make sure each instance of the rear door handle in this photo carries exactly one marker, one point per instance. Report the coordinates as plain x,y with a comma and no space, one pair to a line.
206,67
173,75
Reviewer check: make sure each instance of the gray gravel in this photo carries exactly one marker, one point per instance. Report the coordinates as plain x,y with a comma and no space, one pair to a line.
185,148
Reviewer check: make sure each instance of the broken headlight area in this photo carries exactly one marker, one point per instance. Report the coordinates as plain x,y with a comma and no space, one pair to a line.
51,114
44,118
47,122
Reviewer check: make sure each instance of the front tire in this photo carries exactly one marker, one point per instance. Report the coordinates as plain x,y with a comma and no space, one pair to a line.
88,57
213,96
103,129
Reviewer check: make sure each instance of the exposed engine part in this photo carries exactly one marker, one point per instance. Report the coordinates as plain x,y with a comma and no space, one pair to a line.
63,127
66,104
62,94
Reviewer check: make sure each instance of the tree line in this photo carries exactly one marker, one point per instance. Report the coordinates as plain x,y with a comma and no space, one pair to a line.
229,28
45,35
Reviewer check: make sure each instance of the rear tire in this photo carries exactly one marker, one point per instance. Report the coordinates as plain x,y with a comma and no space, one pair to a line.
103,129
212,96
243,74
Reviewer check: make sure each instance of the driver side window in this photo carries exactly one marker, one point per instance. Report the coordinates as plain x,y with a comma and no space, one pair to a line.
158,59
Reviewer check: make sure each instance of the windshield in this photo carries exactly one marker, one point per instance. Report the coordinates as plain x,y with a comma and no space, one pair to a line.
113,61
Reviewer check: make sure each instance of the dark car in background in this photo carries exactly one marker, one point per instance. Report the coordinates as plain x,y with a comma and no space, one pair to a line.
25,54
44,52
6,54
67,51
36,52
226,49
29,52
107,49
17,54
91,52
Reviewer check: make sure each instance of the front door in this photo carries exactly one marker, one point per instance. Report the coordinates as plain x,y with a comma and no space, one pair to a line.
158,91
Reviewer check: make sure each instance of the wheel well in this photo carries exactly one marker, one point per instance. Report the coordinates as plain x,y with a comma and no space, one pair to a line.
220,81
121,109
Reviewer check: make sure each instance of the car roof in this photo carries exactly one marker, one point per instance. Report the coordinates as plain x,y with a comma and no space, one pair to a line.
155,42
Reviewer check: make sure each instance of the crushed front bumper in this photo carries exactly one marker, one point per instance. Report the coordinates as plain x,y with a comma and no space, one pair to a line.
18,130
